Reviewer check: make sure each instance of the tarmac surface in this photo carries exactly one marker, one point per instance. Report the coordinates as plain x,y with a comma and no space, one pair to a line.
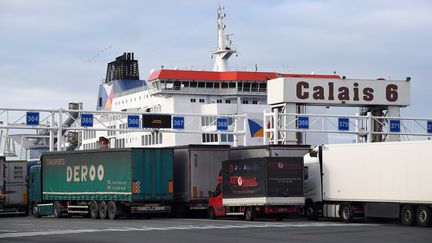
49,229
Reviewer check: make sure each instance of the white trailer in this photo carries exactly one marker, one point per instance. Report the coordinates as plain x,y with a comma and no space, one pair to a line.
370,180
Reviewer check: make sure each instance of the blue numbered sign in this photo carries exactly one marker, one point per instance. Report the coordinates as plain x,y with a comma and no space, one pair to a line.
86,120
32,119
133,121
429,126
343,124
222,124
394,125
178,122
303,122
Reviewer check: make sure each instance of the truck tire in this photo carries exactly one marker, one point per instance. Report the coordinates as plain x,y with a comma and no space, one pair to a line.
57,209
211,213
103,210
311,211
249,214
407,215
112,210
346,213
35,211
94,210
423,216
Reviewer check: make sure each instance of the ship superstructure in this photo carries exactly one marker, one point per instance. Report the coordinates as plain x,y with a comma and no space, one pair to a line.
208,93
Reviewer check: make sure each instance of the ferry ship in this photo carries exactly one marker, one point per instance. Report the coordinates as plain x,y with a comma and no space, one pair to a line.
171,91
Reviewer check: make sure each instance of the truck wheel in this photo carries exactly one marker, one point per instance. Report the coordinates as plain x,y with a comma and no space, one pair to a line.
407,215
57,209
211,213
35,211
112,210
249,214
423,216
103,210
346,213
94,210
311,211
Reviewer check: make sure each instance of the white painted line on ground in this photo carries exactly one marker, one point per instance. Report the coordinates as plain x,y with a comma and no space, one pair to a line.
8,231
183,227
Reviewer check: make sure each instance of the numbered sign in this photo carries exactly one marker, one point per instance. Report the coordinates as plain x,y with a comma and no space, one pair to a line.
178,122
222,124
86,120
429,126
32,119
343,124
394,125
303,122
133,121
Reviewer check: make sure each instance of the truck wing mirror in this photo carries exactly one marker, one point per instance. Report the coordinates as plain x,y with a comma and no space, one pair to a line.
313,153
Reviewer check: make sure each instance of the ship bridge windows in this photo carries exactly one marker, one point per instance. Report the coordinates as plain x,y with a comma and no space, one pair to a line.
185,84
201,84
209,85
254,87
216,85
193,84
224,85
177,85
246,87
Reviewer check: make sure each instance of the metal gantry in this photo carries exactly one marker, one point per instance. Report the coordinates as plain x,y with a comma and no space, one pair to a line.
54,124
364,127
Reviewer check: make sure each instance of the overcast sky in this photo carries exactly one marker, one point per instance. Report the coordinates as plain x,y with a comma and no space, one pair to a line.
53,52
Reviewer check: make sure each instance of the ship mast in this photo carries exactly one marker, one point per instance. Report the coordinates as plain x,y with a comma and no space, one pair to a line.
224,49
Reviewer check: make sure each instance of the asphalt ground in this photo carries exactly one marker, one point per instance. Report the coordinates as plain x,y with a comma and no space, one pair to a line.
49,229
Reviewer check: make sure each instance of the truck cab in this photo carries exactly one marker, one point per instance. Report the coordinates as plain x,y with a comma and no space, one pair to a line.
215,208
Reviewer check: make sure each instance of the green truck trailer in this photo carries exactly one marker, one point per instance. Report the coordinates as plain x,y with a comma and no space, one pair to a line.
103,183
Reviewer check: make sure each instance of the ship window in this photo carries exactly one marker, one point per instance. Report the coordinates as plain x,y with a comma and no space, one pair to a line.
230,138
219,101
232,84
216,85
223,137
254,87
240,86
224,85
201,84
193,84
193,100
209,85
100,101
201,100
263,87
305,173
245,102
177,85
227,101
185,84
169,85
246,87
255,102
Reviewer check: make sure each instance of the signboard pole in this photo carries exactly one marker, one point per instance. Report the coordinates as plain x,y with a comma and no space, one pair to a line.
369,127
275,127
245,126
59,132
357,127
51,133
